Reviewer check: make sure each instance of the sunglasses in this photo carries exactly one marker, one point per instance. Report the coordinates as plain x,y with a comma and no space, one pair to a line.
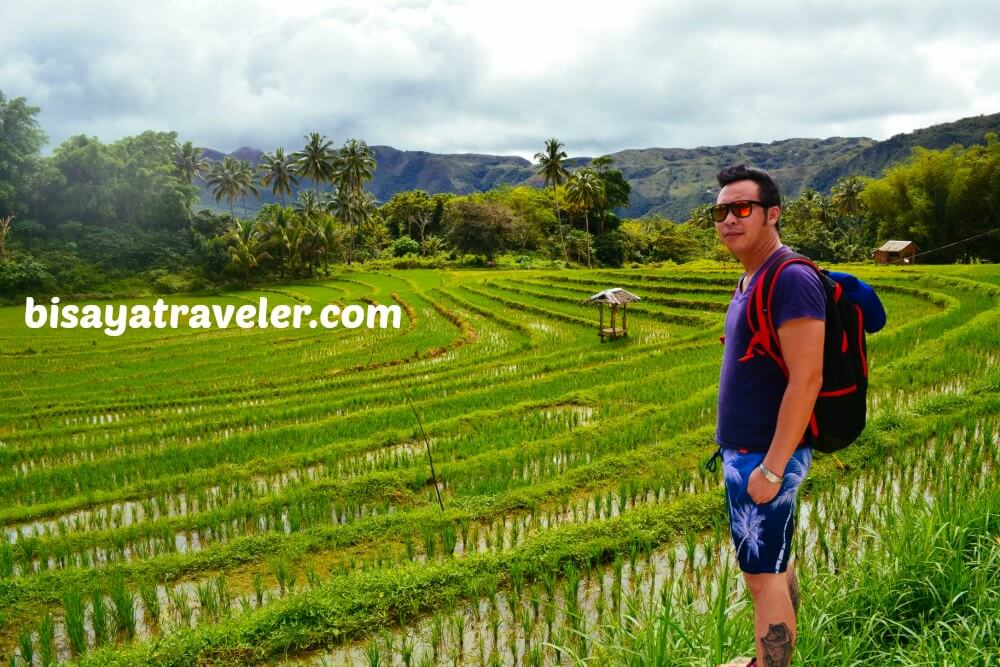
741,209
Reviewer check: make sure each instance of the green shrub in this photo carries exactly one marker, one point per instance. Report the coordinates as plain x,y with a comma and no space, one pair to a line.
24,274
404,245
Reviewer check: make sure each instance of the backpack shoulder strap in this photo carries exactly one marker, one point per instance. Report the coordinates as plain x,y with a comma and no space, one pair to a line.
760,318
763,335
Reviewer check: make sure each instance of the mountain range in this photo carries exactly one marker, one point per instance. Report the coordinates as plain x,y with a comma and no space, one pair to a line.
668,181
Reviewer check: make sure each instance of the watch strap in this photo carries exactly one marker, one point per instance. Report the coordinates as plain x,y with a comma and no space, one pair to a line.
771,477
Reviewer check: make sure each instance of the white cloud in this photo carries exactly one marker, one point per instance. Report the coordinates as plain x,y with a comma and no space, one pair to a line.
499,77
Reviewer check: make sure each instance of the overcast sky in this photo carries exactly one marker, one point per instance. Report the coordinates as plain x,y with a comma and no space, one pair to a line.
499,77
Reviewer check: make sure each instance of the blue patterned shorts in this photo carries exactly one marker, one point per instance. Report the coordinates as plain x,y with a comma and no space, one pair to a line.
762,534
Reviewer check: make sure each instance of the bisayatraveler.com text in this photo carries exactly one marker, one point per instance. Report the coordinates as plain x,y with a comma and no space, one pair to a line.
116,319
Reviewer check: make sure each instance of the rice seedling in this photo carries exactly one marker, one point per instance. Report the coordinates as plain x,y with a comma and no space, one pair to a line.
437,635
258,589
123,609
373,654
181,606
99,617
26,644
46,635
283,574
74,620
150,597
406,651
223,596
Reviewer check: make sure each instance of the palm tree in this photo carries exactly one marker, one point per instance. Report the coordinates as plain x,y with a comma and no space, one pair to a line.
432,245
246,248
811,197
550,165
312,245
332,236
331,203
825,210
602,163
585,190
246,178
190,163
224,182
357,210
277,173
819,207
847,200
847,195
304,244
367,207
307,205
274,231
356,165
316,160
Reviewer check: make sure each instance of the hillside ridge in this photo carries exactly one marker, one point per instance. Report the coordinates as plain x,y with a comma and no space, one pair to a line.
668,181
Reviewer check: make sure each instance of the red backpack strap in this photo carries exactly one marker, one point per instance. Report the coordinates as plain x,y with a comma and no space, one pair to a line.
767,318
772,280
763,335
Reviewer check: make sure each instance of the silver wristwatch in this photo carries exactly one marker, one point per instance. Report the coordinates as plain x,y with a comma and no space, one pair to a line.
771,477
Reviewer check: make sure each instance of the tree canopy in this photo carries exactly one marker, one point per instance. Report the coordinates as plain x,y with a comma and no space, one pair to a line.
21,138
941,197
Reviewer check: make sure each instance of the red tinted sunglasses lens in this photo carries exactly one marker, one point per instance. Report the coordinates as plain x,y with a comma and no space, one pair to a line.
741,209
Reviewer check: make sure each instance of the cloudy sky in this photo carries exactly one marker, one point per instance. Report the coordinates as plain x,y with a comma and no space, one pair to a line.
499,77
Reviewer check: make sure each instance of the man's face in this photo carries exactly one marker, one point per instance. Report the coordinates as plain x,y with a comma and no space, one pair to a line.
742,235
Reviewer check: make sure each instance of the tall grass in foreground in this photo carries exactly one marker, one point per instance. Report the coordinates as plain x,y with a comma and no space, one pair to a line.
927,594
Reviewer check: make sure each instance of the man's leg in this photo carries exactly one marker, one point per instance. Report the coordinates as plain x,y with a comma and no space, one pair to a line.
793,588
774,617
762,535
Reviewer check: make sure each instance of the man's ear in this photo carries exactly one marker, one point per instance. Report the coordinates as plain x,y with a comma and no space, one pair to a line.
773,219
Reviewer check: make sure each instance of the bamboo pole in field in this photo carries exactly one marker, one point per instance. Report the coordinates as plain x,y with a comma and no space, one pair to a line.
430,459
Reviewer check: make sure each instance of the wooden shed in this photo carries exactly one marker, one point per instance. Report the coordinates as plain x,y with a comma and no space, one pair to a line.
616,298
897,252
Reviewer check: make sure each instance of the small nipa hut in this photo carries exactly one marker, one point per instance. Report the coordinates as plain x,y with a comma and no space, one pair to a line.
616,298
897,252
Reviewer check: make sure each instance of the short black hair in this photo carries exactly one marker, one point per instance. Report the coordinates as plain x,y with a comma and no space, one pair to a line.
769,195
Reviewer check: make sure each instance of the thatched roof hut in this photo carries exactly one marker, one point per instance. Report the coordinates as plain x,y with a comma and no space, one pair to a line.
616,298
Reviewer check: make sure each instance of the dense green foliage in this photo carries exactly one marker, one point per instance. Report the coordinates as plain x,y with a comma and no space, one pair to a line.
118,218
20,140
939,198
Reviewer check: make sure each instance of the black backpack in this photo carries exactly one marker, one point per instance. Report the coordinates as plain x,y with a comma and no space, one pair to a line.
838,417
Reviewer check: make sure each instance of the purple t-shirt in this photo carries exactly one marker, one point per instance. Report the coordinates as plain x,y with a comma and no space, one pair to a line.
750,392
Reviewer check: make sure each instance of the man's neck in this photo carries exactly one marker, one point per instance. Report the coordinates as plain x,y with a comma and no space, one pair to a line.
756,259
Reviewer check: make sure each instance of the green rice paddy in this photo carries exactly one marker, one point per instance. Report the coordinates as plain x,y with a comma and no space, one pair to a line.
179,497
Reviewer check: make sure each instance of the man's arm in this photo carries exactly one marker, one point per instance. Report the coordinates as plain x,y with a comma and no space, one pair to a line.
802,349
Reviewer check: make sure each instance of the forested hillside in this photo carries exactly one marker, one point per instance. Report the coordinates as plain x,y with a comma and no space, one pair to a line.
669,181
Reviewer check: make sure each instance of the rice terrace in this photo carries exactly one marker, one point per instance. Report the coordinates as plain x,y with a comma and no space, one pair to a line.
265,496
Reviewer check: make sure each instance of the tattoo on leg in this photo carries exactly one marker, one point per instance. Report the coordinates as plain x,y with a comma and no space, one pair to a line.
777,646
793,591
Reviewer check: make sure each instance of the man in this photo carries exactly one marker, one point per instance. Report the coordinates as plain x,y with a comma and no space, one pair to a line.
762,416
